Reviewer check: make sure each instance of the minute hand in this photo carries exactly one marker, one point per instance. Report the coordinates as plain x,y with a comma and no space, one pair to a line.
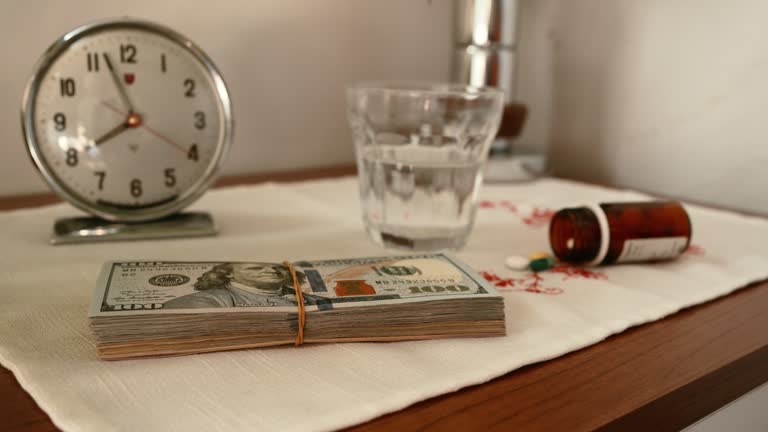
119,85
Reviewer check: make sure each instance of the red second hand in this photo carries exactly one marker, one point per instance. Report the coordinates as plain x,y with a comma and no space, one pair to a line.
149,129
159,135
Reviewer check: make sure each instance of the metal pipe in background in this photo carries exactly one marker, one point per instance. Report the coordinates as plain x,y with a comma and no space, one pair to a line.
485,54
486,39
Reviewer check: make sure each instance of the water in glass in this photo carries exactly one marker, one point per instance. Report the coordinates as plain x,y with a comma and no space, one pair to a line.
419,155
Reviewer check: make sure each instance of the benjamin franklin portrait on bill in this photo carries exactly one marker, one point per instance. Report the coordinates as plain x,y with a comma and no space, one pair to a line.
242,285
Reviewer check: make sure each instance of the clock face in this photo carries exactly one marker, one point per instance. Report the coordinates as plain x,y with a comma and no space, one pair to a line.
127,121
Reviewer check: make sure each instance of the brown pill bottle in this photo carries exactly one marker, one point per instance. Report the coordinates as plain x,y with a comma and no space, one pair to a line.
614,233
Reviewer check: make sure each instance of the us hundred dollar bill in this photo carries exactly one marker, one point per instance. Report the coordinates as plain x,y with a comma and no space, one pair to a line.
142,287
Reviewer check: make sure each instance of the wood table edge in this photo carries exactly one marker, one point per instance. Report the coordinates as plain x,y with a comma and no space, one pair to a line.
508,402
699,398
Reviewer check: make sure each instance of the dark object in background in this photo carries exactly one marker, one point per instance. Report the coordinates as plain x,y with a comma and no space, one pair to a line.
620,232
512,120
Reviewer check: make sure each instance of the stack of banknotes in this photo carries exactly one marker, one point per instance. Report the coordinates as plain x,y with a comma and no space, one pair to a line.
159,308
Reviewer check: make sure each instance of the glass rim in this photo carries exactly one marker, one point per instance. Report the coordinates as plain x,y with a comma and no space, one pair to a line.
419,88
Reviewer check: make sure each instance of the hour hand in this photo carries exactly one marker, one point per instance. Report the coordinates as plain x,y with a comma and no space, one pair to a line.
117,130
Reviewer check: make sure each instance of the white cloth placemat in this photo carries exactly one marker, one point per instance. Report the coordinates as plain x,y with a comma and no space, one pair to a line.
45,293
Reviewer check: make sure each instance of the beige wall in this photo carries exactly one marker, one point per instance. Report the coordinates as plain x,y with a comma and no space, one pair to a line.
668,96
286,63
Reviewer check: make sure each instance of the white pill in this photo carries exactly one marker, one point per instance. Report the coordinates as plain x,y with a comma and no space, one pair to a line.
516,262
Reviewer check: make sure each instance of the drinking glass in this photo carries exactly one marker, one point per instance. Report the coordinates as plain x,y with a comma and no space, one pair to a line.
420,149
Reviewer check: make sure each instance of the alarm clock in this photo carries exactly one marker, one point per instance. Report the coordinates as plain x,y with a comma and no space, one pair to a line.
127,120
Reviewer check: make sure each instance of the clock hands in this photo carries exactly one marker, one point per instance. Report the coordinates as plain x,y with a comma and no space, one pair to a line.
164,138
118,84
133,120
117,130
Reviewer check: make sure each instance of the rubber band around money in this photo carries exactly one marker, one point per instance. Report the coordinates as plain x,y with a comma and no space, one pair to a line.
299,302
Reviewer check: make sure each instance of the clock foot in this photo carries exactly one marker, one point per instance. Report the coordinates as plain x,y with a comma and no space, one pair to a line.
92,229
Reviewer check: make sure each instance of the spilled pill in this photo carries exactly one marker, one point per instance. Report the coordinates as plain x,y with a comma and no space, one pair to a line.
538,255
516,262
542,264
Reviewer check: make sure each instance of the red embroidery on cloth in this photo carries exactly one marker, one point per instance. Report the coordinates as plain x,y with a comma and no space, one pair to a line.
577,272
533,282
694,249
537,217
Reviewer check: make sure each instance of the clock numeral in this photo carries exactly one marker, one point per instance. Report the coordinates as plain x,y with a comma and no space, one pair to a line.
100,175
128,53
189,84
136,190
71,157
67,86
60,121
170,177
162,63
200,120
192,153
93,62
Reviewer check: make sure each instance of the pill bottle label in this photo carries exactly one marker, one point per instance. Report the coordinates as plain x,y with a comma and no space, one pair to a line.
651,249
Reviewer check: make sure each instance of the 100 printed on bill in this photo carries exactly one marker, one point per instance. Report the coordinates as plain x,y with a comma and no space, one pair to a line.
142,287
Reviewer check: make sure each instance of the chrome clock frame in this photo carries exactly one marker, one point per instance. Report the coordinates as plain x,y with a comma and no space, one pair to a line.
111,213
